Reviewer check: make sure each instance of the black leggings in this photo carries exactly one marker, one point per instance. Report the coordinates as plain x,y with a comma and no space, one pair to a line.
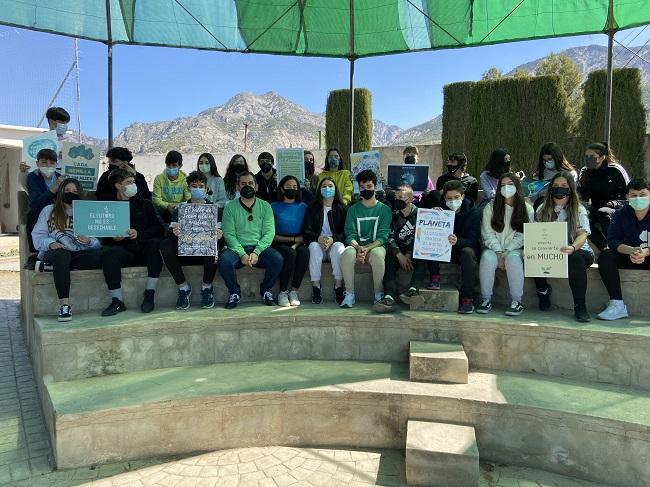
140,252
296,262
599,223
63,260
609,262
579,262
175,263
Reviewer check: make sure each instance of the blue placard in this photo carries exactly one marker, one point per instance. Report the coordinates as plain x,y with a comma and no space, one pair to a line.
415,175
101,218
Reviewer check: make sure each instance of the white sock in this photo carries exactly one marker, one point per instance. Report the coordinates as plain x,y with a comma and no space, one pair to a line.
206,286
151,283
184,287
117,293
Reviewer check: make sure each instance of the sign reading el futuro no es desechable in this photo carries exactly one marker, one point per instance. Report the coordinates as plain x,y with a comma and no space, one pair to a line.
101,218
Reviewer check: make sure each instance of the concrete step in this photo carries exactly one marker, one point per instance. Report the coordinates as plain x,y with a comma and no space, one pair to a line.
438,362
441,455
445,299
588,431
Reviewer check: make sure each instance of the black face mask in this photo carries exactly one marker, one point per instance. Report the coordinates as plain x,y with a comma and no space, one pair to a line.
560,193
309,168
367,194
452,169
68,198
238,168
410,159
399,205
290,193
266,166
247,192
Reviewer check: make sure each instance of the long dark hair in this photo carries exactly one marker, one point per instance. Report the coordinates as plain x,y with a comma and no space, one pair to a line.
213,165
554,150
59,218
230,179
547,212
327,164
496,165
281,189
519,211
603,149
318,197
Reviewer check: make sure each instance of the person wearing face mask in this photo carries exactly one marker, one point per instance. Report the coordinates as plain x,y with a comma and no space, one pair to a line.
502,231
341,177
141,245
411,155
310,183
562,204
42,187
266,178
120,158
236,166
456,165
602,186
550,162
628,246
289,213
197,183
498,164
58,245
323,233
399,253
215,190
465,243
170,187
367,227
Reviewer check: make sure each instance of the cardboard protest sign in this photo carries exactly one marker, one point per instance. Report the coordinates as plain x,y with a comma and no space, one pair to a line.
542,256
198,228
432,232
81,161
31,146
101,218
290,162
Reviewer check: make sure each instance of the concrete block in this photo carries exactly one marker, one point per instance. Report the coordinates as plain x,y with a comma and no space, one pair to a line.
441,455
446,299
438,362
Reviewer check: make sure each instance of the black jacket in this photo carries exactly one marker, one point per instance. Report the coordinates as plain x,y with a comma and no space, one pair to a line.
607,184
402,232
144,218
470,183
106,193
312,225
267,189
467,226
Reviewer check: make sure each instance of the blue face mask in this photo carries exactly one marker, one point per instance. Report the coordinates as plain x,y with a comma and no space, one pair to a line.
334,162
172,171
550,164
61,129
327,191
197,193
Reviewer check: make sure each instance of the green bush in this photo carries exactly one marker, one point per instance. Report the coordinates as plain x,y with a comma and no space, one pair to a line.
519,114
628,116
337,125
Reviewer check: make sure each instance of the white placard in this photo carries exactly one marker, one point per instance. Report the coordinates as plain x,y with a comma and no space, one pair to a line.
44,140
290,162
432,232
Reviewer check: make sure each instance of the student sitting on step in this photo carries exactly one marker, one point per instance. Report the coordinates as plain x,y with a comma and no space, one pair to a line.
42,187
169,187
60,247
465,241
141,246
197,183
248,230
562,204
367,226
628,246
502,231
399,253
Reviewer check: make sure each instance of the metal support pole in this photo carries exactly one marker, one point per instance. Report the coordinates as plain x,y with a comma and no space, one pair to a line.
320,139
610,72
109,45
78,89
351,57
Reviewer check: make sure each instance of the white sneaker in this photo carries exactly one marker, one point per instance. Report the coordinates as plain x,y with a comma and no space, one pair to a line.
615,310
294,300
348,300
283,299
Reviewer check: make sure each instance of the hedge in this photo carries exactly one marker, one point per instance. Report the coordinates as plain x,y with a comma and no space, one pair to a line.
628,116
337,125
519,114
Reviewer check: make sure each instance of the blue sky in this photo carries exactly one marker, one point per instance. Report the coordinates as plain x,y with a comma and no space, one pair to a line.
152,84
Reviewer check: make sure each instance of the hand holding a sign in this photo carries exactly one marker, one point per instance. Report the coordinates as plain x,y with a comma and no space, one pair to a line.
219,233
24,167
132,233
176,229
453,239
567,249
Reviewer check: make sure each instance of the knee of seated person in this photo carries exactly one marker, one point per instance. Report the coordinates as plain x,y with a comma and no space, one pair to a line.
467,253
489,256
513,257
314,246
59,255
340,246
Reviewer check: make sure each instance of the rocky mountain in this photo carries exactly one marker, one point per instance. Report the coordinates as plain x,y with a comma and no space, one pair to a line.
425,133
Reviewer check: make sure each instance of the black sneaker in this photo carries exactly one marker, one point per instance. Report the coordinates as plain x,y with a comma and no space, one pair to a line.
148,304
515,309
183,300
545,299
339,294
31,262
434,285
384,305
485,307
115,307
466,306
268,298
233,300
412,296
207,298
316,296
581,314
65,313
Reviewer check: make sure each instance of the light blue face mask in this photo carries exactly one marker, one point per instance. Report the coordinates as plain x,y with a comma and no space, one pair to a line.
639,203
550,164
61,128
172,171
327,191
197,193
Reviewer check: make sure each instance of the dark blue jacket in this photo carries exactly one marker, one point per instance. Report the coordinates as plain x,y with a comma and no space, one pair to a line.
626,229
39,194
467,225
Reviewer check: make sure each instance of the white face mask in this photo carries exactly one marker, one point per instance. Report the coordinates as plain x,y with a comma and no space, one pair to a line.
47,171
508,191
130,190
454,204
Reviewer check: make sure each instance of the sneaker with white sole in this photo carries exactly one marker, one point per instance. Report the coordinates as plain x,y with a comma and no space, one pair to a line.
294,299
615,310
233,300
412,296
268,299
348,300
283,299
65,313
515,309
485,307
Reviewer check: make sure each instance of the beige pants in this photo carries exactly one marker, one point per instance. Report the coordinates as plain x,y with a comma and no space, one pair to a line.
376,259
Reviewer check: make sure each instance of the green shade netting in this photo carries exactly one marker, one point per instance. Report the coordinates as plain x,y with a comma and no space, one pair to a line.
322,27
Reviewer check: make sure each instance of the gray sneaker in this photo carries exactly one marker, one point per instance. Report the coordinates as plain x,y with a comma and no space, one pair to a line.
283,299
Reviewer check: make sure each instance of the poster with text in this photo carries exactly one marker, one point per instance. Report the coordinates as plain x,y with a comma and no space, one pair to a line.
198,229
31,146
360,161
290,162
81,161
542,255
101,218
432,232
415,175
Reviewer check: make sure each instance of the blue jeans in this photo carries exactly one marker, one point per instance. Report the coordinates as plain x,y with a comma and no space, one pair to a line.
229,261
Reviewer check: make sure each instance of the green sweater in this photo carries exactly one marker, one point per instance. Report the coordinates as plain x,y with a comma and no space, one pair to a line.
238,232
365,225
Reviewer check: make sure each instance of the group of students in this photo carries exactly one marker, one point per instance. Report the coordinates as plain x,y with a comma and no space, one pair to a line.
289,226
